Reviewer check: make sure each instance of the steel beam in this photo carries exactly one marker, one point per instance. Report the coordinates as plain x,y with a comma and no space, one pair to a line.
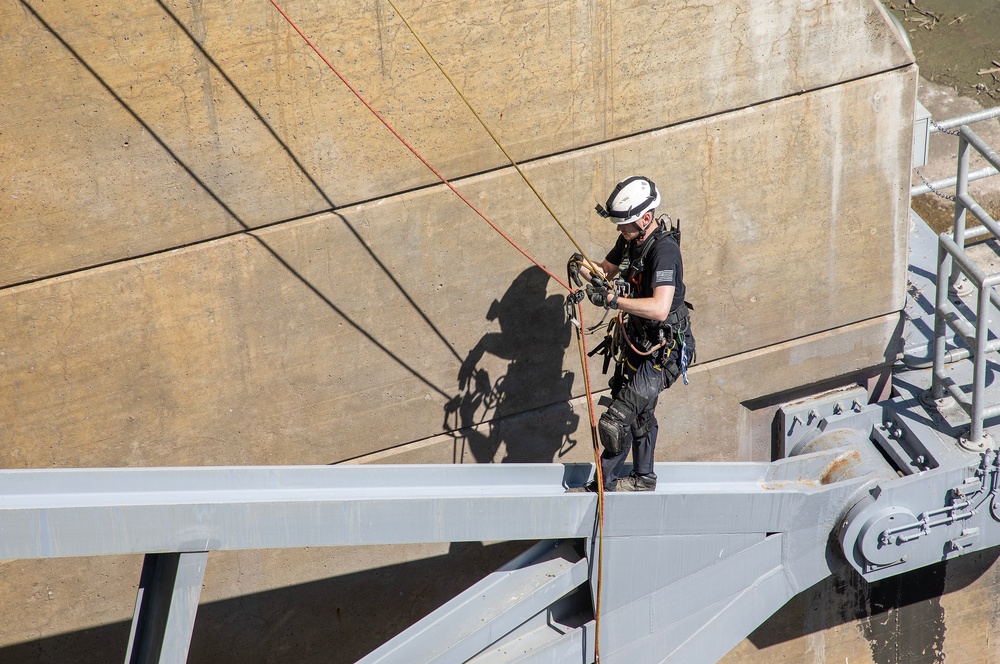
491,609
720,526
82,512
165,607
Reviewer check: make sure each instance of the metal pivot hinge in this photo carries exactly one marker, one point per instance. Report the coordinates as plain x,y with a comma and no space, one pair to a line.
885,530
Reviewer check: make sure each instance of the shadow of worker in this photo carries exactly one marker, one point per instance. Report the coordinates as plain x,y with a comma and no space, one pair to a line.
523,415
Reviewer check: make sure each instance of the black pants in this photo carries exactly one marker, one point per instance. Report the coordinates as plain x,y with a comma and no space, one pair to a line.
639,394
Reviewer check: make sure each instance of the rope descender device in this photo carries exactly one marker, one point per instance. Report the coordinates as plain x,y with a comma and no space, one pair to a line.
572,300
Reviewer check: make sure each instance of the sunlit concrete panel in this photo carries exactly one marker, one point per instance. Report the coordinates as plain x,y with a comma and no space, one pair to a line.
134,127
346,333
708,420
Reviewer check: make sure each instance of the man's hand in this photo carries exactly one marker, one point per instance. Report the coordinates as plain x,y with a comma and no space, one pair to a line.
603,296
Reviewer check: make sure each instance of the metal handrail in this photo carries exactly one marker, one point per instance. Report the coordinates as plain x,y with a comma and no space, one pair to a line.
948,183
953,262
945,125
978,116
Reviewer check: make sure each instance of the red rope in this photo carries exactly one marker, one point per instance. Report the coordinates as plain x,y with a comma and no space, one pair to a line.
581,337
413,150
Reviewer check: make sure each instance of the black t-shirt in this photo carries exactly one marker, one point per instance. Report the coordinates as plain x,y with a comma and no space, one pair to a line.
662,265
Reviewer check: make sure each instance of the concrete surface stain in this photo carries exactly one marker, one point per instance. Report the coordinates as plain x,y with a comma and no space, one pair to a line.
906,622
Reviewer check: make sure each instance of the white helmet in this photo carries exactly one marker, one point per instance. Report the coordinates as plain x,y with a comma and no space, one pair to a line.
631,198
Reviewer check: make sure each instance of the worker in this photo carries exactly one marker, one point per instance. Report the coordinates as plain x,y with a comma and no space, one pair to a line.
651,342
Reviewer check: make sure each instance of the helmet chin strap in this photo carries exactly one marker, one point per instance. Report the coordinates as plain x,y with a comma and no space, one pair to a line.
643,232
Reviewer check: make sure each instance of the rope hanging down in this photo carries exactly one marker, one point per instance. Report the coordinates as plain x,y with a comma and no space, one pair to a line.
496,140
413,150
581,340
580,335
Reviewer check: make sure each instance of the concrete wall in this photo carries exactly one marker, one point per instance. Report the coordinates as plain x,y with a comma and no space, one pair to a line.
213,254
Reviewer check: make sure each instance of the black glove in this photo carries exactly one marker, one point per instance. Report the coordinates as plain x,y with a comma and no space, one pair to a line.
573,268
602,296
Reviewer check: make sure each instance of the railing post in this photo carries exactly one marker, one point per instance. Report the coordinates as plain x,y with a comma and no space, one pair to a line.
944,260
979,364
961,187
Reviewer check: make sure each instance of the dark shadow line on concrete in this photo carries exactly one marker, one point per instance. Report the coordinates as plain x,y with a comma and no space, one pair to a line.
367,335
156,137
211,193
253,109
225,207
305,172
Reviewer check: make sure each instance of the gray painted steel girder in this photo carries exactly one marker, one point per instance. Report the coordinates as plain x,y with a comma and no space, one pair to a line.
688,570
80,512
165,607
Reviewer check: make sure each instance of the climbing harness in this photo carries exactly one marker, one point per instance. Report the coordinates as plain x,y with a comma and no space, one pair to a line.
627,340
618,343
631,269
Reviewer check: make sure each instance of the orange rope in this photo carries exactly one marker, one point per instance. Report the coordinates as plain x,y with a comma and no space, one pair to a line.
496,141
580,336
598,477
413,150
